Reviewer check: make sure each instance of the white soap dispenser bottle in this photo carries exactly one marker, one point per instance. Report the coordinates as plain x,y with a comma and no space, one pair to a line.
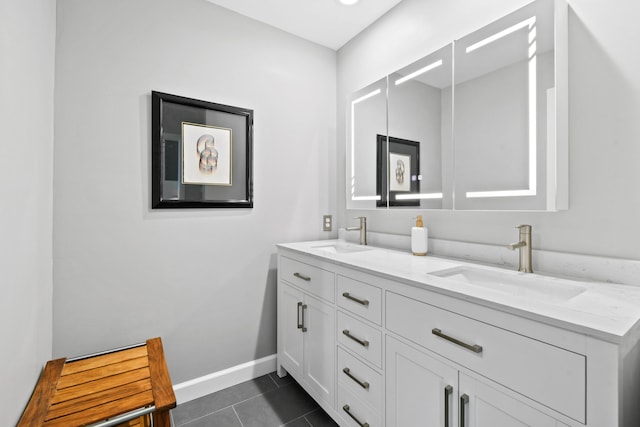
419,243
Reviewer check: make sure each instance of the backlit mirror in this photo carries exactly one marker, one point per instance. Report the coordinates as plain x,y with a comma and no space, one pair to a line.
495,139
367,118
505,113
418,151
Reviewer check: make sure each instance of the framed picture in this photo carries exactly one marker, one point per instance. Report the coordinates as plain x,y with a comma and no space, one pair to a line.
398,169
202,154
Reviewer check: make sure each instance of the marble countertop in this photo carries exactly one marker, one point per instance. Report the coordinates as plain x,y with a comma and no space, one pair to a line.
604,310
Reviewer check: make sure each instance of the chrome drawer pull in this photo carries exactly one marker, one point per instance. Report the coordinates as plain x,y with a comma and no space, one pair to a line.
447,392
346,409
302,276
304,307
300,322
363,343
473,347
358,300
464,401
364,385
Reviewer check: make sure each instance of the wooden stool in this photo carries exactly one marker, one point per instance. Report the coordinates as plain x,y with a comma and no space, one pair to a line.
118,387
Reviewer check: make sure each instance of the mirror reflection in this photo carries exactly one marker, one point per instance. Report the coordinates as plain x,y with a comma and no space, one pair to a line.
418,151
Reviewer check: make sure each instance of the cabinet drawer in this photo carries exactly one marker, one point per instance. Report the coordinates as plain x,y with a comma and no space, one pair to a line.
362,339
360,298
362,381
312,279
547,374
355,412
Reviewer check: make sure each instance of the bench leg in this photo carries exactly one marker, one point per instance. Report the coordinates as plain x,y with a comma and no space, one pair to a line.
162,419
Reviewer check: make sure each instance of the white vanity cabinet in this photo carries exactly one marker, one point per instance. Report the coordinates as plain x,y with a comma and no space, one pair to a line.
360,348
420,389
306,328
424,389
550,375
484,405
377,347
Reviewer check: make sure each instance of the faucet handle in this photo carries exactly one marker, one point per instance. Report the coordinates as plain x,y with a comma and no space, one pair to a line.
363,219
524,226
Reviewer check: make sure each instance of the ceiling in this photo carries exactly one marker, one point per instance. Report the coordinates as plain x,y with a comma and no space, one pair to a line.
326,22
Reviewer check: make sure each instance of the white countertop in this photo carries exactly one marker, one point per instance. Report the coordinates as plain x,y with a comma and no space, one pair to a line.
604,310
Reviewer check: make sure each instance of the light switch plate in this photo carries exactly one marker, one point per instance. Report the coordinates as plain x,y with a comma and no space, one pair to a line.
326,222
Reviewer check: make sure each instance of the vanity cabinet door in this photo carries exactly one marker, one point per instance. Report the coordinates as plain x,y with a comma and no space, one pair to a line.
319,348
421,390
290,301
306,340
484,405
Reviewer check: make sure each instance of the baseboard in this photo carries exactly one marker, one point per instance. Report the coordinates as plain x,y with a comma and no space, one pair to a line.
216,381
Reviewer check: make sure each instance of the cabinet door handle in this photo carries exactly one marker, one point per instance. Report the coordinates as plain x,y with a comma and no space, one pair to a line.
300,322
358,300
363,343
447,393
302,276
363,384
473,347
304,307
464,401
347,409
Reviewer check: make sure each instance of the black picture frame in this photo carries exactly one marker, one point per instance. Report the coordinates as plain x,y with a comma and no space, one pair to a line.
190,172
401,150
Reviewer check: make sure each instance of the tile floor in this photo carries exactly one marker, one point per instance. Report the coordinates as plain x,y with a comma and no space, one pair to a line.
267,401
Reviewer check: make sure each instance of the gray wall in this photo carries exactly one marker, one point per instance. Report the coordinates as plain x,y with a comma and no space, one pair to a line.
27,38
203,280
604,100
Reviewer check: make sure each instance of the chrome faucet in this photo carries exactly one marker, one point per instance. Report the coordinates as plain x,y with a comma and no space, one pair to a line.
524,245
362,229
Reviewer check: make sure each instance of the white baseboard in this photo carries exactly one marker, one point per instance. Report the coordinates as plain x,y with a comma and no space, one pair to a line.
198,387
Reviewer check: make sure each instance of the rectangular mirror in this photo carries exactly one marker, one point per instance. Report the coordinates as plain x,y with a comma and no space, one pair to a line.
505,113
420,112
480,124
367,118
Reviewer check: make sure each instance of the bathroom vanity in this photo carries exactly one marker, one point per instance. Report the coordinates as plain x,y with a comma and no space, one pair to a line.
382,338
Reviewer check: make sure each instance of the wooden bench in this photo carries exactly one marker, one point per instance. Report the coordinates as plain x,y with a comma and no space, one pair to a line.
120,387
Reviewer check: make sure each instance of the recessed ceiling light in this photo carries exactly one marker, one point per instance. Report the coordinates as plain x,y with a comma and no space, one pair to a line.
348,2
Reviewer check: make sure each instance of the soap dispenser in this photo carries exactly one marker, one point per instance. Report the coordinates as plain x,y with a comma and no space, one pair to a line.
419,238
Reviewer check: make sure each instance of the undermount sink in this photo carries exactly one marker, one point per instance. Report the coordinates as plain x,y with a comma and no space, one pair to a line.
342,248
513,283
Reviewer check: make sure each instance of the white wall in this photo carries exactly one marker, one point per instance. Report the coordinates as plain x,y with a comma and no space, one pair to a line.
203,280
27,35
604,99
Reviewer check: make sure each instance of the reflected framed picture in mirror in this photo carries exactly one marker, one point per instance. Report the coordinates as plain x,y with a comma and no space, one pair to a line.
397,175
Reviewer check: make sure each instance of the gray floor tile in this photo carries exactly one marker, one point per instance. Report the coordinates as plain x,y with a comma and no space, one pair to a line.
223,418
205,405
320,418
281,381
276,407
298,422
